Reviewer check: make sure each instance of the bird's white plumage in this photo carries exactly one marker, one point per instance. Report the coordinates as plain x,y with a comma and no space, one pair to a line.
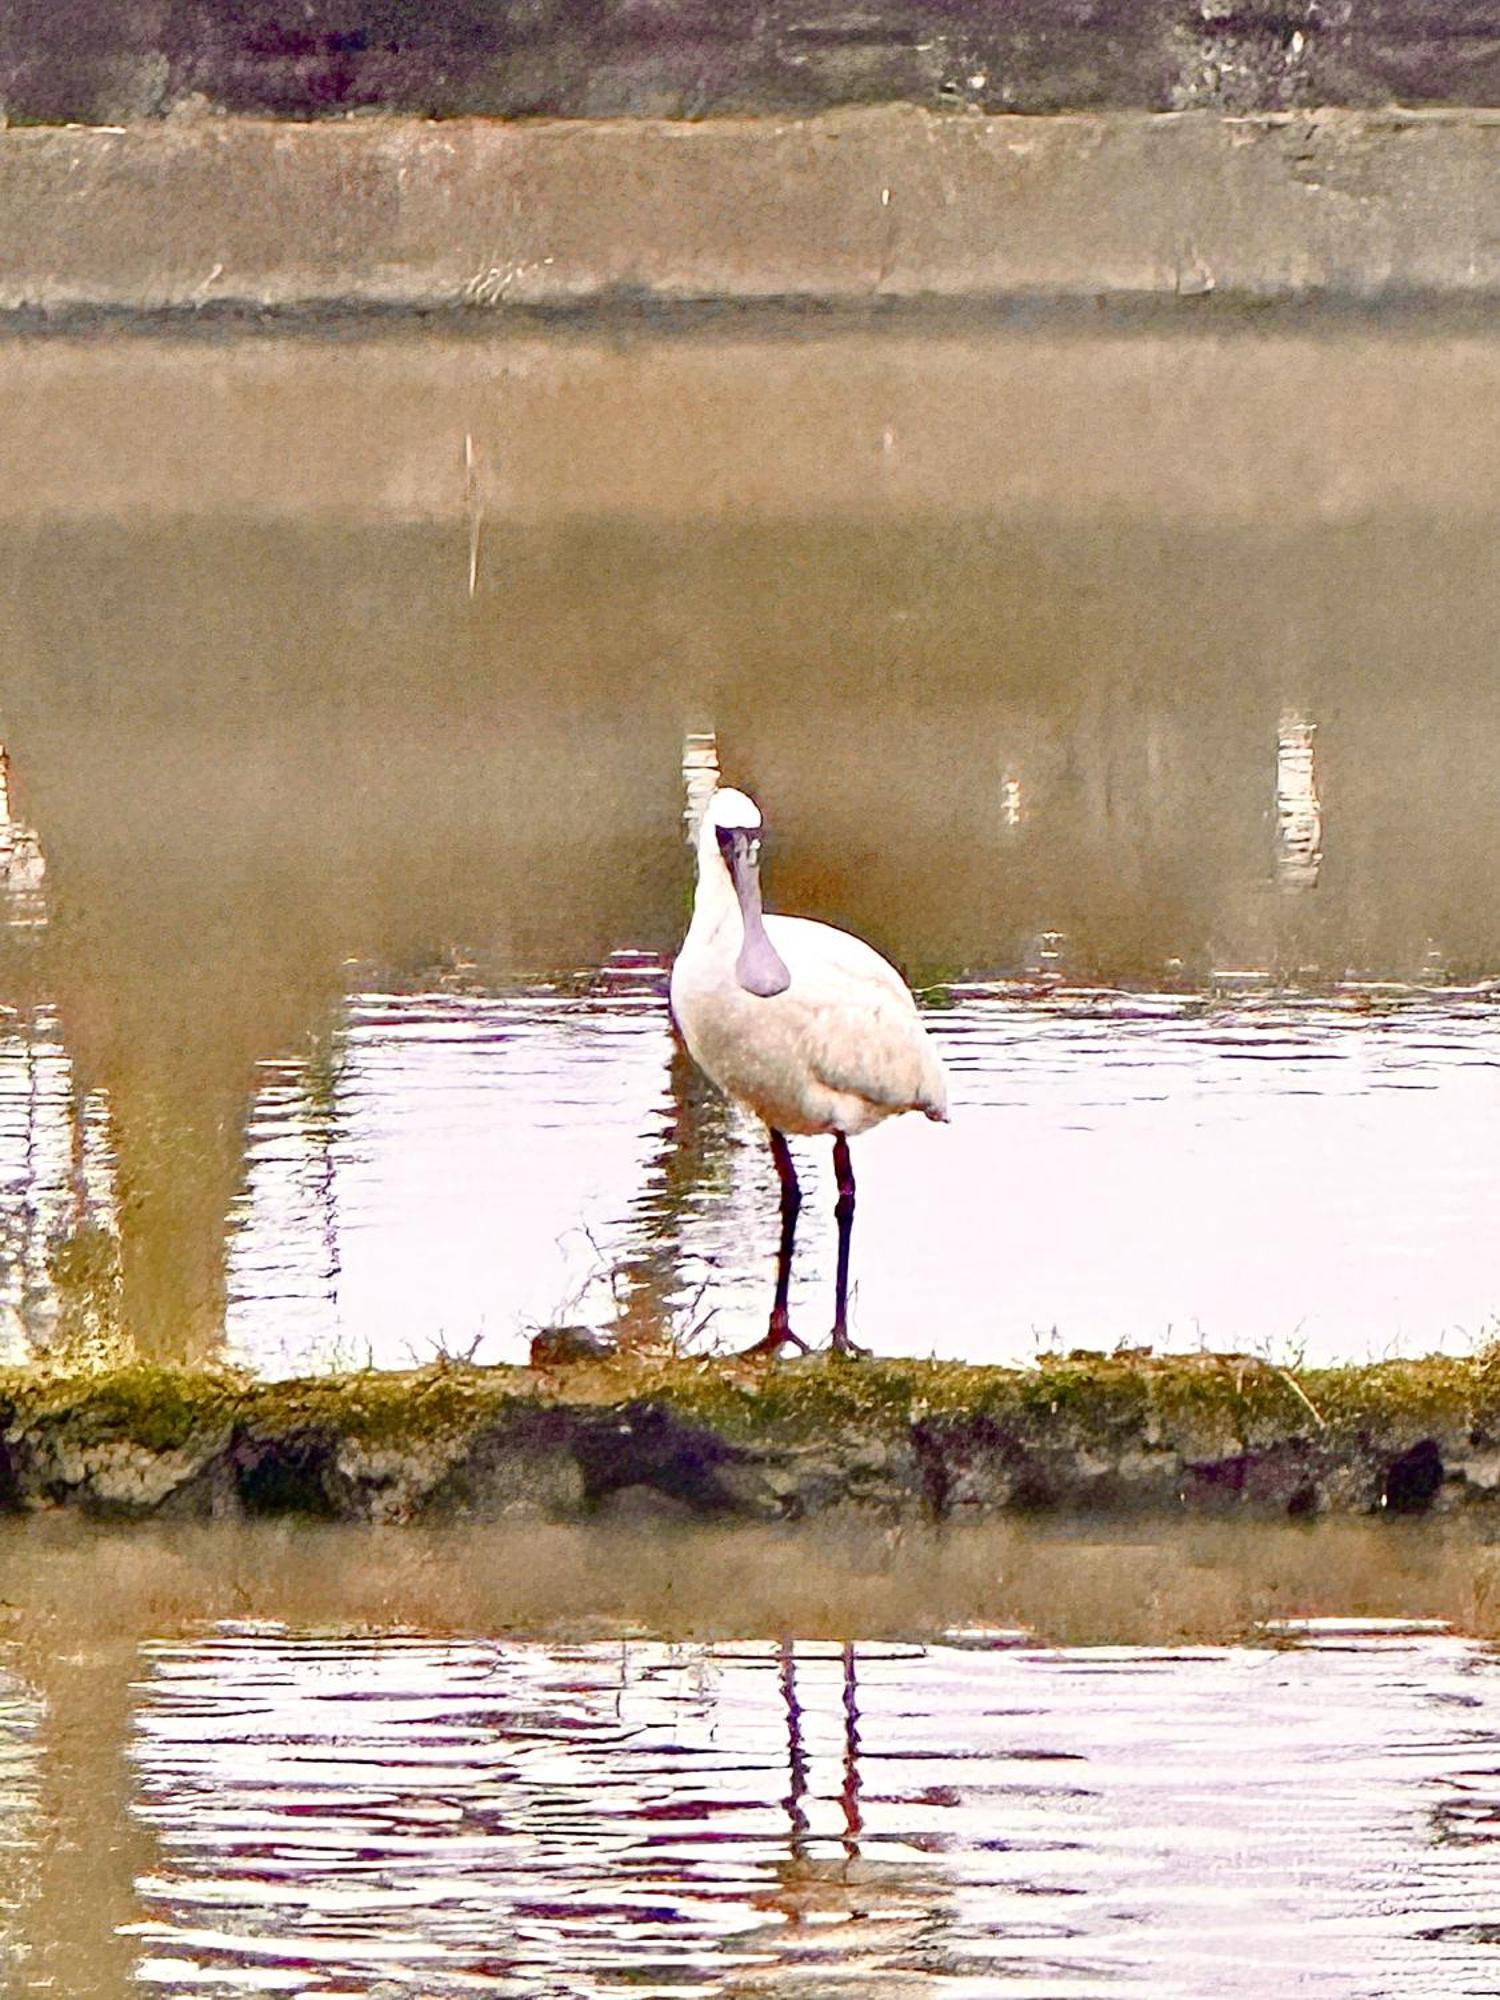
842,1048
727,808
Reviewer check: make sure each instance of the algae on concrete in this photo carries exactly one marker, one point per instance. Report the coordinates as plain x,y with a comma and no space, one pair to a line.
1085,1433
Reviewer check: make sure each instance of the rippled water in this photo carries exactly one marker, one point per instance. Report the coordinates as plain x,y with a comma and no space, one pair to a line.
459,1168
514,1761
20,1713
401,1815
1268,1176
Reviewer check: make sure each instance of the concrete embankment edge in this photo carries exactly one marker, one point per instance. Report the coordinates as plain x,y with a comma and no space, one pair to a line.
884,204
1085,1436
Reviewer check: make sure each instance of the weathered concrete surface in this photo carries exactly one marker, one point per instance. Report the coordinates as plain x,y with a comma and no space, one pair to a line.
94,60
873,205
1088,1435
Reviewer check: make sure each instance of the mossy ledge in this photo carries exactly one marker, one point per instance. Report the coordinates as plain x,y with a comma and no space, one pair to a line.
1086,1434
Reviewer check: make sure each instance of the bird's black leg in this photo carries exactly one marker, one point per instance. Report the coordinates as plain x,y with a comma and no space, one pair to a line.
843,1168
779,1332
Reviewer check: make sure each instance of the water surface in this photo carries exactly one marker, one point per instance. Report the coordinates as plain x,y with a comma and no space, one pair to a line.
346,693
1017,1757
398,1815
1271,1177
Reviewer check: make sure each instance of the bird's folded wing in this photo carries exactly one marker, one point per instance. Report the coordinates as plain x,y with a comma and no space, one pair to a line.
871,1047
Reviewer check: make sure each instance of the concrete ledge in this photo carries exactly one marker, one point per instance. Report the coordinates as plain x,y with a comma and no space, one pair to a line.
883,204
1084,1436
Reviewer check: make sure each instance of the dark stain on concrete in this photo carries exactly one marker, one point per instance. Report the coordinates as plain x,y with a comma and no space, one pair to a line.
11,1501
1413,1479
295,1473
104,61
1284,1478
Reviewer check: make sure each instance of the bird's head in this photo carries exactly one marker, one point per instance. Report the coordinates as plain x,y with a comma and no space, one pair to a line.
732,828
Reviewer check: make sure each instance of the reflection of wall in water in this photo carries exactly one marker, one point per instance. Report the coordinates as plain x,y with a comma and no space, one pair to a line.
284,1253
59,1247
59,1251
36,1179
416,768
969,733
58,1216
20,1716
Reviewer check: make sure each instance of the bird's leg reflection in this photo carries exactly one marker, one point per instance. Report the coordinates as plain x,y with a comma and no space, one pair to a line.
779,1332
849,1796
843,1168
796,1755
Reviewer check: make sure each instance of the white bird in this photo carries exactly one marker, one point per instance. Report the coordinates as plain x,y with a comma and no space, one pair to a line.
800,1023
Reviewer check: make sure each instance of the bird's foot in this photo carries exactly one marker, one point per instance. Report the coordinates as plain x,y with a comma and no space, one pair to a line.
846,1348
778,1335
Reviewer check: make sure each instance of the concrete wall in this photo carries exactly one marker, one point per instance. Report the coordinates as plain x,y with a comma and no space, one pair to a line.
108,61
852,206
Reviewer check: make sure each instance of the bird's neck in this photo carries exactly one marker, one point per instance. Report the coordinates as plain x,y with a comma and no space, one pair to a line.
715,905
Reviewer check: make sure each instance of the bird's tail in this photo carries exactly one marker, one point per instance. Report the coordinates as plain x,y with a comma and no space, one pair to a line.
934,1097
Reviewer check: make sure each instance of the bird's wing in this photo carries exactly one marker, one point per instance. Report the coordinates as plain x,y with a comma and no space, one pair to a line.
879,1054
822,957
861,1034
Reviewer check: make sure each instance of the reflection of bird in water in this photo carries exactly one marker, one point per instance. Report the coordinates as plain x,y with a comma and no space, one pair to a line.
840,1914
803,1024
688,1135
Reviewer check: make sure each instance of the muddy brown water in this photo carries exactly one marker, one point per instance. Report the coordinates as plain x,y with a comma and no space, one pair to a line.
1132,686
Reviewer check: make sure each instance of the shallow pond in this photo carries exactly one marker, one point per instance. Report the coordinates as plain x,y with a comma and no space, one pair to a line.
1316,1183
1125,682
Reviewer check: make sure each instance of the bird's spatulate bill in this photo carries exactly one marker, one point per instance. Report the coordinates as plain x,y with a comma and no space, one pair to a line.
759,968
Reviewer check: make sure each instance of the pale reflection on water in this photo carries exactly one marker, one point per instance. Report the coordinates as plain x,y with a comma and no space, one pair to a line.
1264,1174
1229,1758
20,1713
403,1816
450,1170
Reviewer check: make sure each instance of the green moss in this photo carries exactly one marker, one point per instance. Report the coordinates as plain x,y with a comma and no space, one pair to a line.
809,1399
379,1408
161,1408
1083,1397
1410,1398
1104,1397
164,1408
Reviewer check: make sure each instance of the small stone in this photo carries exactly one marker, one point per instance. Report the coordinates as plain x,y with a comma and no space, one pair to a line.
565,1346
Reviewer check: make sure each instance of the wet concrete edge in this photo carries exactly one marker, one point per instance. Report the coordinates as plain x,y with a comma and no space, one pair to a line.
1089,1435
888,203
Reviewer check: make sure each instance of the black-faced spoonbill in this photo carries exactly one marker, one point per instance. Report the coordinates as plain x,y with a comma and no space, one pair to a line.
802,1024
